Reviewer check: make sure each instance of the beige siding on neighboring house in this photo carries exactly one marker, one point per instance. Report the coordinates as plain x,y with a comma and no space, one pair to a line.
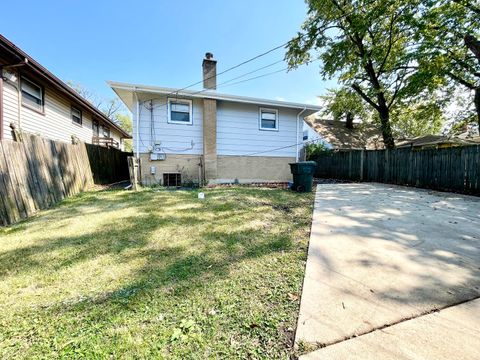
55,123
10,108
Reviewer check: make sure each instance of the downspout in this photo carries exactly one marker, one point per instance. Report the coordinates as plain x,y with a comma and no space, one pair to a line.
137,148
297,141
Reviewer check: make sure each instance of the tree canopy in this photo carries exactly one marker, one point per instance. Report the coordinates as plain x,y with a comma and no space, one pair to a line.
404,58
344,104
448,44
366,45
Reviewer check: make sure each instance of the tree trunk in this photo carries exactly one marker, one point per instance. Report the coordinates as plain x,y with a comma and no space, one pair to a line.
473,44
349,123
477,106
386,128
384,113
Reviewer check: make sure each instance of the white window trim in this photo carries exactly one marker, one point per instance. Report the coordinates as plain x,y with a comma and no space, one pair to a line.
184,101
41,108
72,109
260,119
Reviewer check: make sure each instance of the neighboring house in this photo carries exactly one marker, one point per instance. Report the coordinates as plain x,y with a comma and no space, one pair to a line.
311,136
336,135
435,142
185,136
35,101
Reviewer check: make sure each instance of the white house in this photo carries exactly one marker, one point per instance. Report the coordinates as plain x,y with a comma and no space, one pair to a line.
34,100
183,136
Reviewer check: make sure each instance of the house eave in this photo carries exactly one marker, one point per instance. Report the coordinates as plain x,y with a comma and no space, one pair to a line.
120,87
45,75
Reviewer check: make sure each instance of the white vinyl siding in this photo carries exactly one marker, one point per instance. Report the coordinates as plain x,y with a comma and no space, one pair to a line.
173,138
238,131
10,108
56,121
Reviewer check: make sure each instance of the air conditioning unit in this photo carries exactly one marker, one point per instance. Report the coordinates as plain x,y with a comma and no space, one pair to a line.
157,157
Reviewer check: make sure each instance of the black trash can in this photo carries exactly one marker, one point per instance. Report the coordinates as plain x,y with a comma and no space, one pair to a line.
303,175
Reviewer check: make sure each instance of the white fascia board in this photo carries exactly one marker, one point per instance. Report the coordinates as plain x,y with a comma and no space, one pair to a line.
212,95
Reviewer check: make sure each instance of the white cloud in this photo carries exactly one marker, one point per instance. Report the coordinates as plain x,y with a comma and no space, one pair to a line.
313,101
279,98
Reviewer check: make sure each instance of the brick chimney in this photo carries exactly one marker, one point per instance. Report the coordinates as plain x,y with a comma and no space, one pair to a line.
209,119
209,72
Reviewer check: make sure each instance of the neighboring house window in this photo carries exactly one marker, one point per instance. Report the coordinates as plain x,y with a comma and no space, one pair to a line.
105,131
95,128
179,111
32,94
305,135
76,116
268,119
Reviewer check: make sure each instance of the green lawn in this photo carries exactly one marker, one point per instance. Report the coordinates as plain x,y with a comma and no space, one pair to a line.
156,274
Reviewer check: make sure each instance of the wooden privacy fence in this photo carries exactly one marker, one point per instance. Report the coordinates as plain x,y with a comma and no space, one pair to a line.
37,173
449,169
108,165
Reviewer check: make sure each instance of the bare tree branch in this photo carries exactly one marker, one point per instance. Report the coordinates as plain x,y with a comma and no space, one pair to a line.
364,96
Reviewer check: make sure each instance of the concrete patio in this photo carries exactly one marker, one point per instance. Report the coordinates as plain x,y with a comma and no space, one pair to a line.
380,255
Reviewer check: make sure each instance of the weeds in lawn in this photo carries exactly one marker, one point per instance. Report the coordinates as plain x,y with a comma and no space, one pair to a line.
156,274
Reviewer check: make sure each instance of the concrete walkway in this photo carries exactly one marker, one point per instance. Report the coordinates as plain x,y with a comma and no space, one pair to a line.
380,255
453,333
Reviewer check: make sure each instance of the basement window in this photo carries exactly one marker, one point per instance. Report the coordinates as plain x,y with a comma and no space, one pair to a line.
76,116
179,111
32,94
268,119
172,179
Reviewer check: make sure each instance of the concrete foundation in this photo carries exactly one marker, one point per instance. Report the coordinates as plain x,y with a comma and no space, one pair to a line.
187,165
248,169
229,169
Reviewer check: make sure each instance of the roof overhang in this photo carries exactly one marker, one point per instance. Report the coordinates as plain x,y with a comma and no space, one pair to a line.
32,66
126,92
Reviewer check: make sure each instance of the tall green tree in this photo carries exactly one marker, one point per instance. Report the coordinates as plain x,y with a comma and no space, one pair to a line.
449,33
344,104
423,117
368,46
125,122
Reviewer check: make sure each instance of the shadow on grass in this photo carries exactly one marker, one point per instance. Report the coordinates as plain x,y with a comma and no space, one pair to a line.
135,233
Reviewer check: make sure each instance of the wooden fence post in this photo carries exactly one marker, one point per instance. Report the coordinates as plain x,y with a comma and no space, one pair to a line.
361,164
133,170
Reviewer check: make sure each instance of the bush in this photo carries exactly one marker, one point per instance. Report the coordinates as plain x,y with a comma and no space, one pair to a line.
313,150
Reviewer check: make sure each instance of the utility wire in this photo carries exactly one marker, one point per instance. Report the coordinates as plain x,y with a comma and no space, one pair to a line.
251,72
263,53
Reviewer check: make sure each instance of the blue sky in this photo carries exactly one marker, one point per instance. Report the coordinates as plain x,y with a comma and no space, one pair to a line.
163,42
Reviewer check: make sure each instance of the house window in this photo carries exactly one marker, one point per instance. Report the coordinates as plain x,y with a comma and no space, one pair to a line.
268,119
179,111
105,131
95,128
32,94
76,116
